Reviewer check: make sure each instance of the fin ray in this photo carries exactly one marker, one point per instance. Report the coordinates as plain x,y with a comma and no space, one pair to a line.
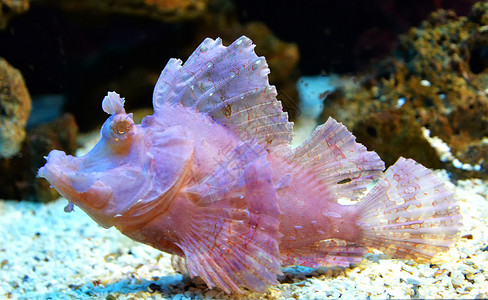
230,84
234,234
327,253
333,154
409,213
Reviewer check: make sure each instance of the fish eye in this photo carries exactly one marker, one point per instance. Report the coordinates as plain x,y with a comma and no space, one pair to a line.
121,126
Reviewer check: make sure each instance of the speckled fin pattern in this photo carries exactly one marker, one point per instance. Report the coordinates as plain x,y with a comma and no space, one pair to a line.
326,253
234,235
342,164
409,213
231,85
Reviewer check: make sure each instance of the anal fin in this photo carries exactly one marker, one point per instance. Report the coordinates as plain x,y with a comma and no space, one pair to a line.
326,253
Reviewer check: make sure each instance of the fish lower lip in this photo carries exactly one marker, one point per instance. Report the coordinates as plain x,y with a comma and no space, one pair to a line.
42,173
57,169
52,174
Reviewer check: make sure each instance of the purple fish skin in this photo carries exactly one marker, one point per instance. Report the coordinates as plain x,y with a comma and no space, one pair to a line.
211,177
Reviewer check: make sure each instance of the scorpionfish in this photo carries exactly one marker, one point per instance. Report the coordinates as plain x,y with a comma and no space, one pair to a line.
211,177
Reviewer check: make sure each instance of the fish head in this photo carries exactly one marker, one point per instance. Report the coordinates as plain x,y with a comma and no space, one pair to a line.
107,180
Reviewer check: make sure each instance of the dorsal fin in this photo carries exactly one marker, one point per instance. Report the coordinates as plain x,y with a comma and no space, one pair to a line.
343,165
230,84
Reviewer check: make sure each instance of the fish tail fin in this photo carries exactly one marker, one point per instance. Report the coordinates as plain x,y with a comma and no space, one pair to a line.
409,213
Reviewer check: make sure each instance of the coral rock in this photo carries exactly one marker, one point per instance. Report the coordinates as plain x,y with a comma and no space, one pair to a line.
15,106
166,10
18,173
438,77
386,133
10,8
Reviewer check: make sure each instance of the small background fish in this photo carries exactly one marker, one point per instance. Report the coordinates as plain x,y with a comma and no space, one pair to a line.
211,178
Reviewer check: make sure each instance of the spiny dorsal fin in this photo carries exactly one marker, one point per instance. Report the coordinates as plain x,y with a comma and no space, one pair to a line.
343,165
232,241
230,84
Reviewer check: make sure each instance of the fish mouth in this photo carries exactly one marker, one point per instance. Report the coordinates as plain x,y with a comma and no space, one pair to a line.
57,171
62,171
83,190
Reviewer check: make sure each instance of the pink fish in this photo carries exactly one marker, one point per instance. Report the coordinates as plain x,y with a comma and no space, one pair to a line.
211,177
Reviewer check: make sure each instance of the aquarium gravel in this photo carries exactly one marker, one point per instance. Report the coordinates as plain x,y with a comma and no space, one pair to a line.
46,253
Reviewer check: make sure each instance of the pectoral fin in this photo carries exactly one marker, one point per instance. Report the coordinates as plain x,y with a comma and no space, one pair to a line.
233,238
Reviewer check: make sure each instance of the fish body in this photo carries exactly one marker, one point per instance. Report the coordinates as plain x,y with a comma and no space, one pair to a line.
211,177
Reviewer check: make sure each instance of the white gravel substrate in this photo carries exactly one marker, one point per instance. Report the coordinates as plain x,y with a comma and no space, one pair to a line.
46,253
